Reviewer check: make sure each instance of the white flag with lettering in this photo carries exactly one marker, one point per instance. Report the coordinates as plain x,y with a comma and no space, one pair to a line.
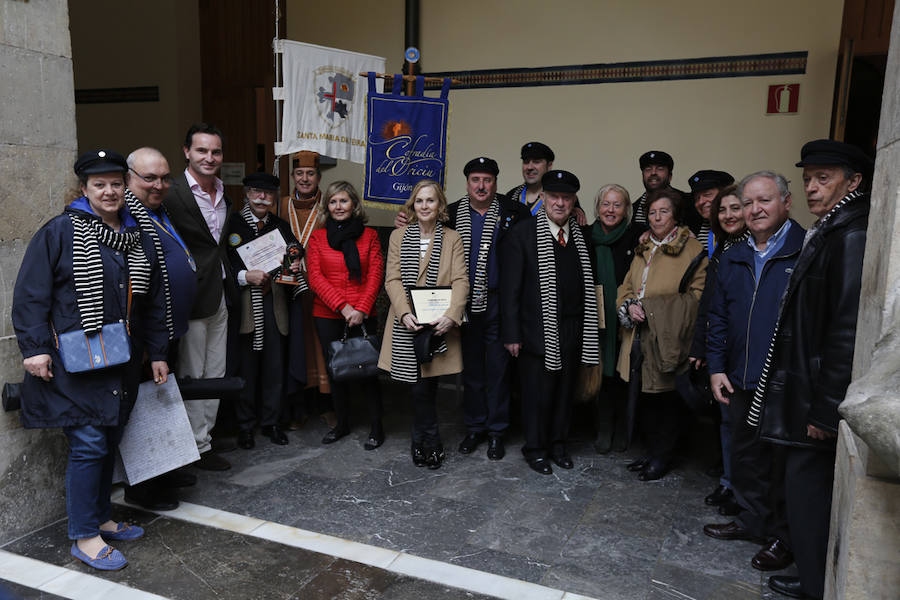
324,100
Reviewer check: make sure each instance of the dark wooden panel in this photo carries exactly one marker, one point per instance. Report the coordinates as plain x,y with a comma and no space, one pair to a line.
868,24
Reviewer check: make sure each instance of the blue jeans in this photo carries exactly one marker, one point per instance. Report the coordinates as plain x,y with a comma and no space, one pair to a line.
92,454
725,437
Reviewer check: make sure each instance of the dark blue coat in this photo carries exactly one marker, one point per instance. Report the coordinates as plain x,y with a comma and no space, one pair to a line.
743,311
45,292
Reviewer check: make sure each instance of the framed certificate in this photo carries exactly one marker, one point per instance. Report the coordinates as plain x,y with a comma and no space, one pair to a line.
263,253
429,303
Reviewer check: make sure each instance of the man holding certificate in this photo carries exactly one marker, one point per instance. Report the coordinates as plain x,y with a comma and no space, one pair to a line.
549,318
257,243
428,285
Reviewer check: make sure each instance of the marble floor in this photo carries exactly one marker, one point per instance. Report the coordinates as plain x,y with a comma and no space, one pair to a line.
594,531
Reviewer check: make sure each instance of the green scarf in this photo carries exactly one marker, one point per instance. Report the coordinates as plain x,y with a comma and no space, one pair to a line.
606,276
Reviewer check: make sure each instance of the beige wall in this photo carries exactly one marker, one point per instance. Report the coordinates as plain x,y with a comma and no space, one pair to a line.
137,44
598,131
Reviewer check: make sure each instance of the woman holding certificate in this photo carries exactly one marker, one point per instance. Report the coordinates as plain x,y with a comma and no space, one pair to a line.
427,283
345,268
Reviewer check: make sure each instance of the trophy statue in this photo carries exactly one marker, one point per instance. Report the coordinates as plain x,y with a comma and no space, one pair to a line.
291,253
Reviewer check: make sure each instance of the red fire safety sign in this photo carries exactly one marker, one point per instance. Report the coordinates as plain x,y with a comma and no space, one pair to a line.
783,99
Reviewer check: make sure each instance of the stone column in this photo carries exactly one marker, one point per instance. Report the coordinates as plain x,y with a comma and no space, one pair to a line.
864,547
37,149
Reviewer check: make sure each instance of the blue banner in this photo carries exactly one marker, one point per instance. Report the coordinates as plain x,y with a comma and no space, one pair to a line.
406,140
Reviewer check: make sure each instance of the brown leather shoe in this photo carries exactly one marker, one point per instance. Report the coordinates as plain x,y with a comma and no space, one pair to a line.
727,531
774,557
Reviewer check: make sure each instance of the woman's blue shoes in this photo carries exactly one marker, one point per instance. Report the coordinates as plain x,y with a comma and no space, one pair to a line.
109,558
123,533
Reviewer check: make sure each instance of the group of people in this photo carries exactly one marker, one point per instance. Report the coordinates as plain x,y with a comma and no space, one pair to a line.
715,293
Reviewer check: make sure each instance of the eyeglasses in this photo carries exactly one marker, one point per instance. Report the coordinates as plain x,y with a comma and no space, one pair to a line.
151,179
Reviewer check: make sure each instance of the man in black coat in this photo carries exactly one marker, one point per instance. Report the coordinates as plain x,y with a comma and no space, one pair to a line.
483,219
198,207
549,322
811,357
656,173
264,313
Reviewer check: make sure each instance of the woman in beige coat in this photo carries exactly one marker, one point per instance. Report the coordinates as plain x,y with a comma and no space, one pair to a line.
424,254
653,302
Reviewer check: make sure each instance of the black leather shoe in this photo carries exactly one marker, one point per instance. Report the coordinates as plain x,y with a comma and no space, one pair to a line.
719,496
789,586
418,456
177,478
245,439
151,497
334,435
470,442
774,557
274,433
211,461
434,458
639,464
563,461
495,450
653,471
375,440
727,531
540,465
730,508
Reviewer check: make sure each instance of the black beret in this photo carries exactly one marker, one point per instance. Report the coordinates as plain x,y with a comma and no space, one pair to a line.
262,181
537,150
560,181
708,179
482,164
830,152
656,157
100,161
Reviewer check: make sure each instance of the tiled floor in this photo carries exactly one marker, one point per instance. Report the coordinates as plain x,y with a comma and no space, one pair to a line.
595,530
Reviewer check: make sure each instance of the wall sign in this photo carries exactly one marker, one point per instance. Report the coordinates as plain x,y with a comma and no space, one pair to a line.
783,99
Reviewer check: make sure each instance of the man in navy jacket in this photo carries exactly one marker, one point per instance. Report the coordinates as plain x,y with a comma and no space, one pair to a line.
742,314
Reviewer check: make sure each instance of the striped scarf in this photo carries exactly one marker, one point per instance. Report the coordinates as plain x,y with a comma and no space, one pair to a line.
139,212
590,340
640,210
464,229
256,294
404,366
87,266
759,395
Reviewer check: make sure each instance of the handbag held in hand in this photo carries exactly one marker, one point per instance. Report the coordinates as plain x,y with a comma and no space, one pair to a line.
352,358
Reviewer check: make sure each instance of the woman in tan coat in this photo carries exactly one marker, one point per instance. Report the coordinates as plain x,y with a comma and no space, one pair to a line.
424,254
654,303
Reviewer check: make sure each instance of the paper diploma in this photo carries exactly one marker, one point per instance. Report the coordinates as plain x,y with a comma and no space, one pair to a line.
429,303
264,253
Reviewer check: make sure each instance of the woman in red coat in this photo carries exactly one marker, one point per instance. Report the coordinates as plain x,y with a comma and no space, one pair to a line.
346,269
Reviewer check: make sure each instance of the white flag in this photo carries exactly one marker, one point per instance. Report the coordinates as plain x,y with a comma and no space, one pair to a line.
324,100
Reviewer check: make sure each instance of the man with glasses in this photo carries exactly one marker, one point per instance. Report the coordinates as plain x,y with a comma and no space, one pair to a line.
148,180
199,209
263,312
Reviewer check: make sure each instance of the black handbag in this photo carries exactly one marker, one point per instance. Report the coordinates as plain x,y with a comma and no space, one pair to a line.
352,358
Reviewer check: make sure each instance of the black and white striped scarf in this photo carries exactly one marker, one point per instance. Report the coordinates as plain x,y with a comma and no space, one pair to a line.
140,214
87,266
755,412
590,339
640,210
256,295
404,366
479,292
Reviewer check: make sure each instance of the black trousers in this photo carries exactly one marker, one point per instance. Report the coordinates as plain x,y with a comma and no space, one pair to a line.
486,394
757,474
330,330
547,395
425,425
660,416
263,373
808,484
612,414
